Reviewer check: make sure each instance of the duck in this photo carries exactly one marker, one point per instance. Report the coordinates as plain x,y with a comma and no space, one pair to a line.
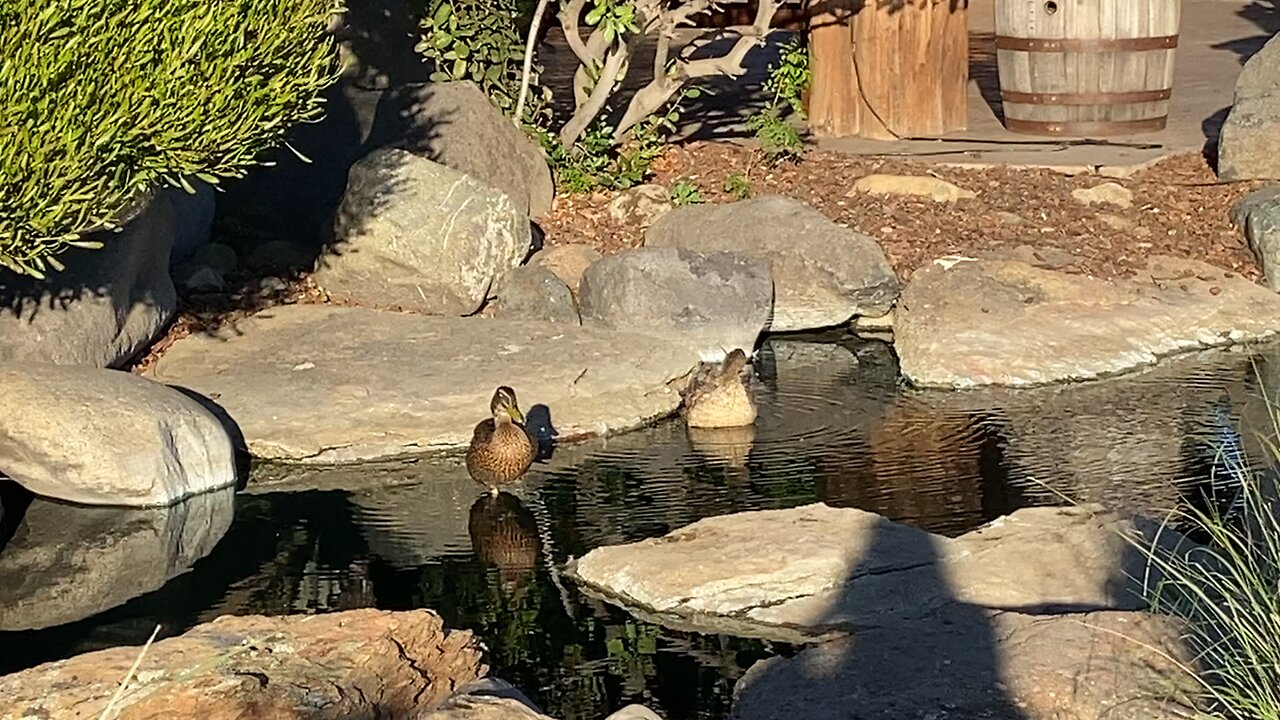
502,450
718,394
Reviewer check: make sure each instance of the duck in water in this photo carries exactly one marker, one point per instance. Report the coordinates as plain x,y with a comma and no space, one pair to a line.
718,395
501,448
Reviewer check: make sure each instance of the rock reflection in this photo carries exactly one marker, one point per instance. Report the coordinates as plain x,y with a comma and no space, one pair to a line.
67,562
504,534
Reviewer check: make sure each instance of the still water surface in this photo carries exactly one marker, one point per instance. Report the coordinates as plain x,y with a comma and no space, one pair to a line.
836,425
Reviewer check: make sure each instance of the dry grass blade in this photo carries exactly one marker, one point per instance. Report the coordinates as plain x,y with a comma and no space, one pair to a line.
124,685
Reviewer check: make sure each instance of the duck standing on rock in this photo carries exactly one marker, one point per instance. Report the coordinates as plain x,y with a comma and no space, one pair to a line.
718,395
501,448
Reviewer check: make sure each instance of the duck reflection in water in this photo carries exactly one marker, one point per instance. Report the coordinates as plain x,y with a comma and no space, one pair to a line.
504,534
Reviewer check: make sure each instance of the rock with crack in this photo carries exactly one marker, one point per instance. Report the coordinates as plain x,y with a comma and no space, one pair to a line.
815,571
994,322
1258,214
360,663
823,274
970,663
320,383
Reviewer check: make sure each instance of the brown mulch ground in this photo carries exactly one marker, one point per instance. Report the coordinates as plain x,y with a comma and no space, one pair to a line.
1179,209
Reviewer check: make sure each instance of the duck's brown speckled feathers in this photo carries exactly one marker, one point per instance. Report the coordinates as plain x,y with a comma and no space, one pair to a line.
501,449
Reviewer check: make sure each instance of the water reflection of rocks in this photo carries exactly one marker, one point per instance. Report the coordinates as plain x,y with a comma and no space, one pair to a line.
63,563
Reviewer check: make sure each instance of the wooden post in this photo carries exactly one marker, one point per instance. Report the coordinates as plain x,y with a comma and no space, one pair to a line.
888,70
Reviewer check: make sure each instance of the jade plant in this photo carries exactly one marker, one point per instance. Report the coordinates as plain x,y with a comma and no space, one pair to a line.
105,100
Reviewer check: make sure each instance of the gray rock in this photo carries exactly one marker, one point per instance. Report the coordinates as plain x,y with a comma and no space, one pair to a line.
456,125
280,256
568,262
319,383
969,323
105,307
963,662
823,274
104,437
710,302
935,189
200,278
1249,146
66,563
486,699
532,292
220,257
1258,213
640,206
814,571
417,235
194,218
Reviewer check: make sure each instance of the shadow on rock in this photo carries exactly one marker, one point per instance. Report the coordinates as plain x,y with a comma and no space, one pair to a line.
243,458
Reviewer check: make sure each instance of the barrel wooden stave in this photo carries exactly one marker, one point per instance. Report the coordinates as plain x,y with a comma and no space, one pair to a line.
1053,66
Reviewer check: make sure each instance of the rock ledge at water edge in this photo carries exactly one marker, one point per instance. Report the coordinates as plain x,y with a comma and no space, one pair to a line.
317,383
969,323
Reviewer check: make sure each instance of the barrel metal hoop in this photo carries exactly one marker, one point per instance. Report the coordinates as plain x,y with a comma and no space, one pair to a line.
1113,98
1047,45
1118,127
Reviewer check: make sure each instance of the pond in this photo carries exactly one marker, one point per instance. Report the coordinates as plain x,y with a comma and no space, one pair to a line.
836,425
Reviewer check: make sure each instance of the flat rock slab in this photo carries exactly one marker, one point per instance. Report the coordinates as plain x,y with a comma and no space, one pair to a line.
997,322
816,571
356,664
968,663
321,384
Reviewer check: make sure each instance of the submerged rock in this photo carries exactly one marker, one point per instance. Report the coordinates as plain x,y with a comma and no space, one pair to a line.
360,663
320,383
816,571
416,235
967,663
992,322
65,563
823,274
710,302
104,437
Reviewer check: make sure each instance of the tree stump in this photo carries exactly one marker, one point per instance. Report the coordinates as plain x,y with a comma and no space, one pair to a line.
888,69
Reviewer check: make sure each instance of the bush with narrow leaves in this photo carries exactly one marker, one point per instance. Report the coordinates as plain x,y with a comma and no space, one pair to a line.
103,100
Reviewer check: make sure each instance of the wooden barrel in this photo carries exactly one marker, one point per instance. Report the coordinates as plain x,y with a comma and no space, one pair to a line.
1086,67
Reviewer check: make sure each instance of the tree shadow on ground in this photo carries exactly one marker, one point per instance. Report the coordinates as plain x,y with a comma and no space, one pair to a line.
1265,14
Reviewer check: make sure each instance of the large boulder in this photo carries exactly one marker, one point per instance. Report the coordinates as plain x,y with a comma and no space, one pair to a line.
106,306
815,571
65,563
1258,214
709,302
354,664
965,323
1249,146
104,437
456,125
823,274
322,383
414,234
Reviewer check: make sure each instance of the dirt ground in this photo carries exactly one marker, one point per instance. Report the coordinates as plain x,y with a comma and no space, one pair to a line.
1179,209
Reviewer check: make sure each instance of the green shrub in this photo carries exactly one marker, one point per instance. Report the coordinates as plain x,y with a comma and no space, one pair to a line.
104,99
686,192
483,41
787,83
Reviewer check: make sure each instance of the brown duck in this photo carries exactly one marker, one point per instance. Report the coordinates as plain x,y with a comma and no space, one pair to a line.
501,448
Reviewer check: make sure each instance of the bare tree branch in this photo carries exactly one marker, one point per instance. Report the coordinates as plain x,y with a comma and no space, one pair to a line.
569,15
595,103
528,59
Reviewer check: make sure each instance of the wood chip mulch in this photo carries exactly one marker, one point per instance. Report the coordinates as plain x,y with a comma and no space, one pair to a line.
1179,209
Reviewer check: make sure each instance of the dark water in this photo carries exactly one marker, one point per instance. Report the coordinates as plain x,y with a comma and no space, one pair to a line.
836,425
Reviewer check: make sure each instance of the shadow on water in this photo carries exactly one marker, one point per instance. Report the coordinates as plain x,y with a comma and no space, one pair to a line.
836,425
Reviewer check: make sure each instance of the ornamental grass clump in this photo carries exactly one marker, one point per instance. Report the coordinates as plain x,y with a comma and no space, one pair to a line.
103,100
1228,591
